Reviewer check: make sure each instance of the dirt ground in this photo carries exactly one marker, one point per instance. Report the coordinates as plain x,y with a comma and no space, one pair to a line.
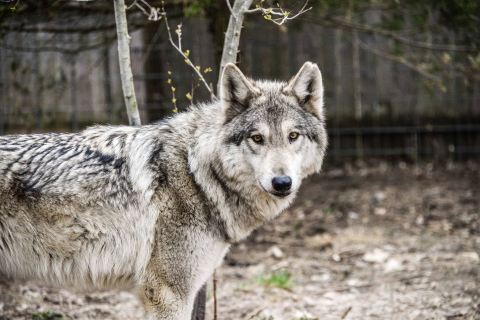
377,241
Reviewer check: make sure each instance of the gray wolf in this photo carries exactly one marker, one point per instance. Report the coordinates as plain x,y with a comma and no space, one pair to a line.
155,208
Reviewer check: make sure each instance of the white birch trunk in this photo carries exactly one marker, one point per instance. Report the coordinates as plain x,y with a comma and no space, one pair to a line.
232,36
125,64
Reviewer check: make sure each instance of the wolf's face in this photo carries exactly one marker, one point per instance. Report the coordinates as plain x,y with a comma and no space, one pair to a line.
274,133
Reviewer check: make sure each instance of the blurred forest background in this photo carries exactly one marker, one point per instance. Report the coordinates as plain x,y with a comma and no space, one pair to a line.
402,77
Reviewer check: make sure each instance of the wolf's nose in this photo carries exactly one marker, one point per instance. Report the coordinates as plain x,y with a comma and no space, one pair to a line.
282,183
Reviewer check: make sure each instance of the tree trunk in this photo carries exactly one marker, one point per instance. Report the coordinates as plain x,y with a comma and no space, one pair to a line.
232,36
125,64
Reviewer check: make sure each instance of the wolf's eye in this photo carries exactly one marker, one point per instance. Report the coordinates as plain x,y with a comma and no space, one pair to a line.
257,138
293,136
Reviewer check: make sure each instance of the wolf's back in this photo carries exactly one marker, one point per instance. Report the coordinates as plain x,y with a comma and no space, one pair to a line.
63,165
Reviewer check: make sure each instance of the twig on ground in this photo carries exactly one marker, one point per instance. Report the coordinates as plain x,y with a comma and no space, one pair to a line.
254,313
346,312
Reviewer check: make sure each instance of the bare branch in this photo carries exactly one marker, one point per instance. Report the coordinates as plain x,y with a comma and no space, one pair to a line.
230,8
173,89
153,14
281,14
135,4
178,47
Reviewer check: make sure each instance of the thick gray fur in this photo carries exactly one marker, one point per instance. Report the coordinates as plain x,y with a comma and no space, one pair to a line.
156,207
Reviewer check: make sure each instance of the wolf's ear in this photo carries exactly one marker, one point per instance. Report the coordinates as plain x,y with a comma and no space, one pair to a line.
307,86
236,91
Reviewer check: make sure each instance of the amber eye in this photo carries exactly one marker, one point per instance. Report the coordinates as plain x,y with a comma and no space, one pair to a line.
257,138
293,136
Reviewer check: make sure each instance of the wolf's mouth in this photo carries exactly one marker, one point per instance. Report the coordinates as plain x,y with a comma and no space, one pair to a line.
280,194
276,193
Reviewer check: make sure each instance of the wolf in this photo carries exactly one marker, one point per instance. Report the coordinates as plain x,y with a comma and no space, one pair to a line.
155,208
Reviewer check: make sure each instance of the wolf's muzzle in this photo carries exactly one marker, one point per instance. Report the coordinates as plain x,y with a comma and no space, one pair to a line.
282,185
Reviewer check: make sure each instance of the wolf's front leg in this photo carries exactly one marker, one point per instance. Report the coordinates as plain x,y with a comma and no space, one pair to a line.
167,288
164,302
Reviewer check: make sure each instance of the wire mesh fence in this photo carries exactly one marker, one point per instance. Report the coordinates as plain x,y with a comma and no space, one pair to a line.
375,107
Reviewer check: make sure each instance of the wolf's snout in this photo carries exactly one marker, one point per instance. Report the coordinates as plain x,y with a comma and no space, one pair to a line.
282,183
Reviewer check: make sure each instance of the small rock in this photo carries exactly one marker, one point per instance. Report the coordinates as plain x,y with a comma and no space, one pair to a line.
21,307
276,252
353,215
353,282
416,314
420,220
380,211
267,314
336,257
319,241
302,314
378,197
392,265
470,255
324,277
375,256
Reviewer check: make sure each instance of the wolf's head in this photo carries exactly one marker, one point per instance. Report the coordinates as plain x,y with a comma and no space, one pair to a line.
273,132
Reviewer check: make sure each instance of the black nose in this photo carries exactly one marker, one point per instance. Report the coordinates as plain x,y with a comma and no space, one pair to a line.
282,183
